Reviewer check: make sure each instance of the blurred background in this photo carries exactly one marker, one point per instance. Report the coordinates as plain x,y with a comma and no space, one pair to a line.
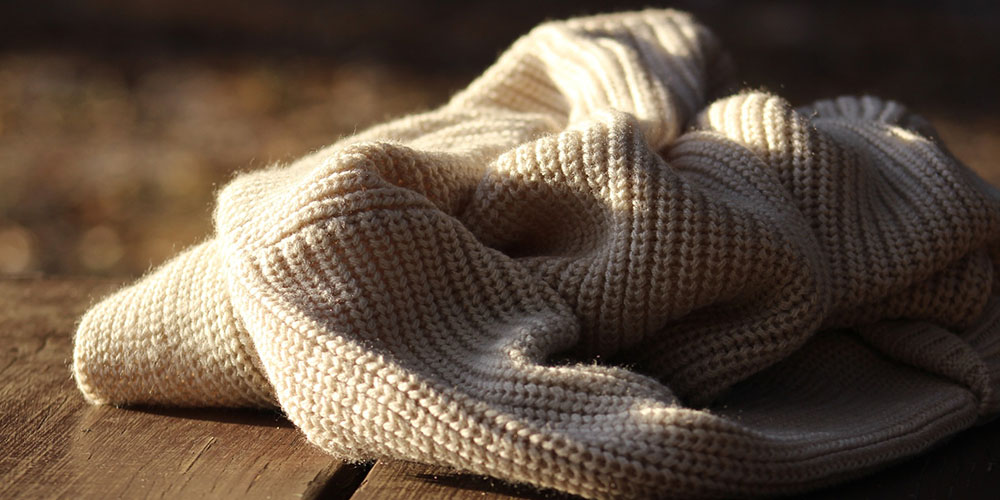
119,119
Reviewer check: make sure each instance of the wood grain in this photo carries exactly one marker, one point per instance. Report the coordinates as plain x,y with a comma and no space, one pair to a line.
55,445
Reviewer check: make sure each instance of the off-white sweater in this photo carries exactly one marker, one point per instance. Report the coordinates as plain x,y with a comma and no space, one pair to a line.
584,273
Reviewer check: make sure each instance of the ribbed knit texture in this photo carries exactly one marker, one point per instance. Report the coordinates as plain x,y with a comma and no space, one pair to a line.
584,274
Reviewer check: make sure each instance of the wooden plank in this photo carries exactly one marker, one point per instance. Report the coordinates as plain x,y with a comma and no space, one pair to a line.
56,445
408,480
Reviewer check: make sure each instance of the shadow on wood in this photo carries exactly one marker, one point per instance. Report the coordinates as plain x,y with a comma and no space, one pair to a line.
240,416
488,484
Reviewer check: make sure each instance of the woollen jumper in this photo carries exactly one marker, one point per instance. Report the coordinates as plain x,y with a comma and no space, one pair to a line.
583,274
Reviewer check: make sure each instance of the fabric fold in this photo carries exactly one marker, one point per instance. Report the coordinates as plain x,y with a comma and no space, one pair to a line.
171,339
587,272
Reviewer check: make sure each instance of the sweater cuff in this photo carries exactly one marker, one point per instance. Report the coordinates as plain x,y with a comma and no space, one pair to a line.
970,357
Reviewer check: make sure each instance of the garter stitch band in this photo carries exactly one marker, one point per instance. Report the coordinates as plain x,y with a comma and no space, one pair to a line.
587,273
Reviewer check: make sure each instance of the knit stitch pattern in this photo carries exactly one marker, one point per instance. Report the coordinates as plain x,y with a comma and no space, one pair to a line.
587,273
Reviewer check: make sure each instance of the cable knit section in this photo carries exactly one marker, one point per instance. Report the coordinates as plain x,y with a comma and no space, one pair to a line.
587,272
658,66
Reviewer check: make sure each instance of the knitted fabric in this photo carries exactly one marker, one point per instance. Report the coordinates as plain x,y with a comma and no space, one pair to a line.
585,274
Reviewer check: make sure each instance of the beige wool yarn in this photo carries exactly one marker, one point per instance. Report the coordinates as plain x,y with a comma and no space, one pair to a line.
587,273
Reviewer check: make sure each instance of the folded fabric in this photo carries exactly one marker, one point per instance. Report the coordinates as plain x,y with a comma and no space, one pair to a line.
585,274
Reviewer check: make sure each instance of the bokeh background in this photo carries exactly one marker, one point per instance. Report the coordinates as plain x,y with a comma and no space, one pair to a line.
119,119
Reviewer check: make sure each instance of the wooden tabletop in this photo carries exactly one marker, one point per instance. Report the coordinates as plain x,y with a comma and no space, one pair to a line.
54,445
